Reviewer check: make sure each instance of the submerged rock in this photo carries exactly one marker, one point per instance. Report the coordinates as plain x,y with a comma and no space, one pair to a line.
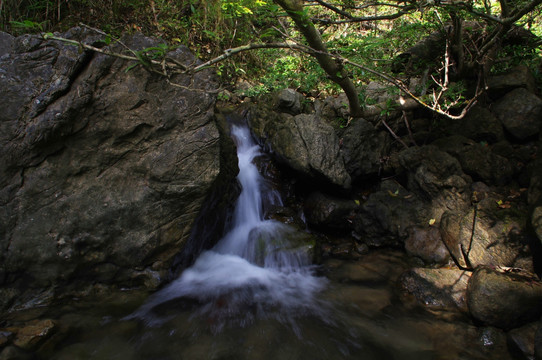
504,298
104,171
437,288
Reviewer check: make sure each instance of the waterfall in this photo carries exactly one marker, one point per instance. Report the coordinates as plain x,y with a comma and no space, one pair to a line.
260,267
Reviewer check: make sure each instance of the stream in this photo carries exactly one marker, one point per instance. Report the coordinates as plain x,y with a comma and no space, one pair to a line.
257,295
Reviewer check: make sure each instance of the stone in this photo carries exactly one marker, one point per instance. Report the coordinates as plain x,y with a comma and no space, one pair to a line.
363,149
520,112
431,172
443,289
32,335
305,143
538,342
290,101
426,244
477,160
480,125
519,77
504,298
14,353
388,214
522,340
498,238
327,211
104,170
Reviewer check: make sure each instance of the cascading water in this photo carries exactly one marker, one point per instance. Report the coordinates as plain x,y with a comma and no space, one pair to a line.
257,269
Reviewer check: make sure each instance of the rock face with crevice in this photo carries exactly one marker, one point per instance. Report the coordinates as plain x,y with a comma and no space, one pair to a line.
103,170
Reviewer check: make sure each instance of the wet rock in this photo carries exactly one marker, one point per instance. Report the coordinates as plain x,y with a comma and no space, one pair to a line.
326,211
363,149
426,244
519,111
290,101
104,171
6,43
437,288
521,340
374,268
305,143
519,77
32,335
504,298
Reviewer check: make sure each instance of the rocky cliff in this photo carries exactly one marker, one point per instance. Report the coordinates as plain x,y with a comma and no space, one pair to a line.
104,167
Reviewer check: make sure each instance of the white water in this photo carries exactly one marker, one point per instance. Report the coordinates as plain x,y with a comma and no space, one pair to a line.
257,269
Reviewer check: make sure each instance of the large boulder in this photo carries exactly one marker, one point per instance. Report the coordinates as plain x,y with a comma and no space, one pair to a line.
104,170
485,235
520,112
504,298
363,149
305,143
388,214
477,160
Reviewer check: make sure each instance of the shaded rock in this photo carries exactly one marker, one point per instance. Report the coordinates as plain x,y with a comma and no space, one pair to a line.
520,112
538,342
326,211
519,77
385,218
6,43
103,172
363,149
290,101
480,125
305,143
431,172
437,288
505,299
426,244
32,335
377,267
521,340
498,237
477,160
15,353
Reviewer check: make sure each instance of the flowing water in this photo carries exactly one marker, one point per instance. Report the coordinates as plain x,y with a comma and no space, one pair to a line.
256,295
255,271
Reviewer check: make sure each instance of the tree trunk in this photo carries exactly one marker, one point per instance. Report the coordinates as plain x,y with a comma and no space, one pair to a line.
335,71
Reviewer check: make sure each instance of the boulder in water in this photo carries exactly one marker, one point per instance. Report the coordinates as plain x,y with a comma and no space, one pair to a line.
504,298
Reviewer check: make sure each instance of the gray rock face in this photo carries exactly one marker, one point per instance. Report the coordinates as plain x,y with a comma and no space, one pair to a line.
477,160
497,237
520,113
327,211
305,143
388,214
363,149
104,171
504,299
